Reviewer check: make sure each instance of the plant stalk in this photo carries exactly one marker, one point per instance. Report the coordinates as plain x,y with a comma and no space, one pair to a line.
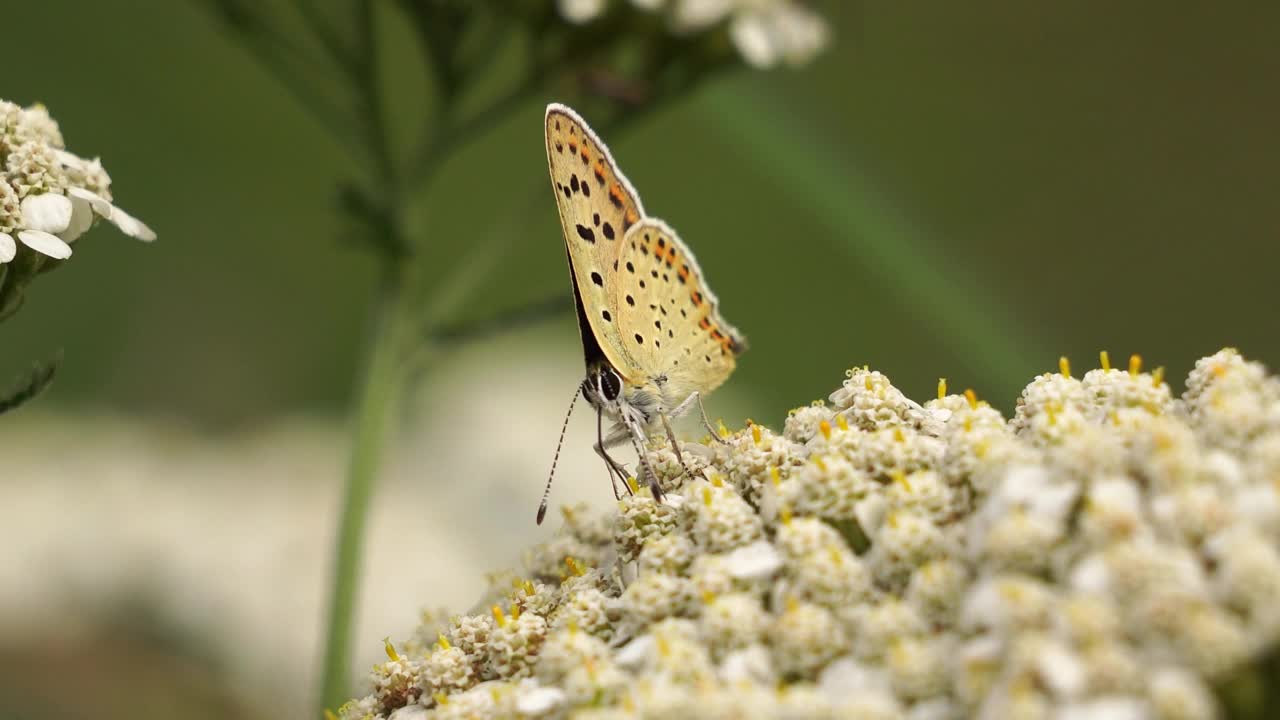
377,402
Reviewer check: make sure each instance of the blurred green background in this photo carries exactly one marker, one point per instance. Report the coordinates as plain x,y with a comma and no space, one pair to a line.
1065,179
966,191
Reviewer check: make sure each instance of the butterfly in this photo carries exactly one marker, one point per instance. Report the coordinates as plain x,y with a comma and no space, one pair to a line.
652,334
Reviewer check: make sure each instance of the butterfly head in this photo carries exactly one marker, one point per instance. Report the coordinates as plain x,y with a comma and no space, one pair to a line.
617,397
602,387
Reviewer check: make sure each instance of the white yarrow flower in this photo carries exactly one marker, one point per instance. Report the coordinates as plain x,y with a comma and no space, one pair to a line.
49,197
757,561
535,701
88,200
1060,586
47,213
45,244
8,248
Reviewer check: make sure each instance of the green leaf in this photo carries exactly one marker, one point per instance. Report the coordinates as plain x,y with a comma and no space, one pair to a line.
35,382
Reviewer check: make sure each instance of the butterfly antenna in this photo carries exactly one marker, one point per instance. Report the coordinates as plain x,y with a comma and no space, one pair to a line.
546,492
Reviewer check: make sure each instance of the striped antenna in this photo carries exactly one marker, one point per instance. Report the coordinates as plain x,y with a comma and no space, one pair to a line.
542,506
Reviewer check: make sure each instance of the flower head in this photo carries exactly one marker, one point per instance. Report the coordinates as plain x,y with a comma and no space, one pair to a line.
49,197
1108,552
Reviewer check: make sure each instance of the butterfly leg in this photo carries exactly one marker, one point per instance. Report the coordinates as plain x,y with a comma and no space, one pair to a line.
638,439
675,444
696,397
617,473
715,434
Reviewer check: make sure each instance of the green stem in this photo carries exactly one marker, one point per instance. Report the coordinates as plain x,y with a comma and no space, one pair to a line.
381,381
379,389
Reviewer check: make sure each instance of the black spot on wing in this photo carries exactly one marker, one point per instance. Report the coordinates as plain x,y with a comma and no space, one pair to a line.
590,346
586,233
608,229
595,278
573,182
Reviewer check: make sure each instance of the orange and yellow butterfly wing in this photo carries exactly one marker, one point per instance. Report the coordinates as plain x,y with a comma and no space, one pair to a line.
670,320
597,207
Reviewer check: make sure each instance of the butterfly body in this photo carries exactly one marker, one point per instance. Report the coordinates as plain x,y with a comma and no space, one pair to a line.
653,337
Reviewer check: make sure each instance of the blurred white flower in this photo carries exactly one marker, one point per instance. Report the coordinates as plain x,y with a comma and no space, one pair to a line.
580,11
765,33
538,701
224,539
757,561
769,33
696,15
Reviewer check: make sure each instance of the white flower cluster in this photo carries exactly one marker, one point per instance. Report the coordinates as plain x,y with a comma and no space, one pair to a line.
49,197
765,32
1111,552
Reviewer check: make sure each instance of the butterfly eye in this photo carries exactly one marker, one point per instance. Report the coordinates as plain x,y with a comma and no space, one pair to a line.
610,383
